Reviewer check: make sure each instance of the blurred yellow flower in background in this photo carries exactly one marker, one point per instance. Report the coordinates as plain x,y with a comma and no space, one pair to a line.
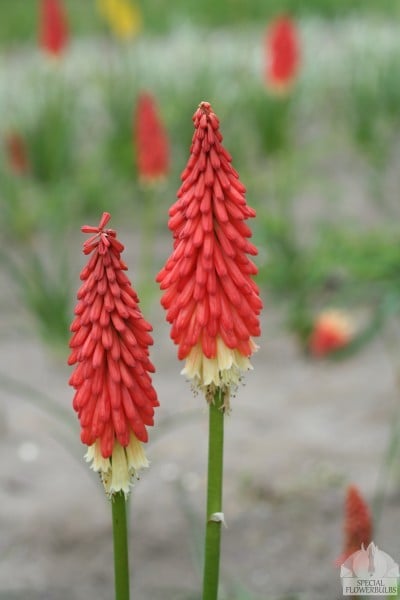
123,17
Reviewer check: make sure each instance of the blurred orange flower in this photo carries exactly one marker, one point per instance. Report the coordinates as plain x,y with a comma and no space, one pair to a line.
123,17
332,330
53,35
17,153
357,523
282,52
150,139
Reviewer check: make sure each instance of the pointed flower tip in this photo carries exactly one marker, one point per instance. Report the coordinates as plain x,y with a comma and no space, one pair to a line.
212,302
114,397
103,222
205,107
101,235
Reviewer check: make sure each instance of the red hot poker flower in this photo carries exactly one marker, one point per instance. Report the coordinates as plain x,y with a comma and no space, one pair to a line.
17,154
53,27
282,50
212,302
332,330
151,140
357,523
114,396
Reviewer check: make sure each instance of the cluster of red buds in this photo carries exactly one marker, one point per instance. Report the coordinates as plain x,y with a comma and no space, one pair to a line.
114,396
212,301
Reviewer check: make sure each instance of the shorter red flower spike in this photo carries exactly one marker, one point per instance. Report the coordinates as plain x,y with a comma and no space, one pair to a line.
17,154
282,50
212,301
114,396
332,331
151,140
357,523
53,27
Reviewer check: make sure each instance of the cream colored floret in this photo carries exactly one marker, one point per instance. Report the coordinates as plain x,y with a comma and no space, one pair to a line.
223,371
117,471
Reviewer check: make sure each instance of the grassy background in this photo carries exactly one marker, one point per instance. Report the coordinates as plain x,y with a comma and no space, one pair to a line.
320,166
19,18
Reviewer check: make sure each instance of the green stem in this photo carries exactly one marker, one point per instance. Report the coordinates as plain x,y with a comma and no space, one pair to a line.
214,497
121,563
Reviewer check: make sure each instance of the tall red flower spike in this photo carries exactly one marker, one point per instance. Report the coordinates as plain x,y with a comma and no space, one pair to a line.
212,302
17,153
114,396
53,27
282,50
151,140
332,330
357,524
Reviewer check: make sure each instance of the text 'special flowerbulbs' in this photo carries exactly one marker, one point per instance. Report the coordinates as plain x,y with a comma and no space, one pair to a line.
282,51
212,302
151,140
123,17
53,27
114,395
17,153
357,523
332,331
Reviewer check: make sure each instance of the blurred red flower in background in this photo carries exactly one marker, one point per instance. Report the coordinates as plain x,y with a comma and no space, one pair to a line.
53,35
332,330
17,153
282,52
114,396
212,301
357,524
150,140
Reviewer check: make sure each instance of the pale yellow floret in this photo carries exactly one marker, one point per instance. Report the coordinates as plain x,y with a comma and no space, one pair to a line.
99,463
223,371
135,455
118,471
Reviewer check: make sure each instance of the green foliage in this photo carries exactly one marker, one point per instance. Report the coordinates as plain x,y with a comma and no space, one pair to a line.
47,294
50,133
360,256
19,20
374,104
272,119
119,103
359,268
